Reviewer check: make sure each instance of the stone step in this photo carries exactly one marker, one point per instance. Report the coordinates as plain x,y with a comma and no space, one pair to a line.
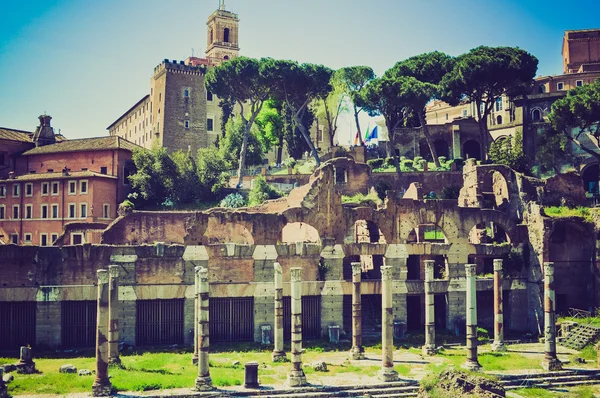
543,380
558,384
559,373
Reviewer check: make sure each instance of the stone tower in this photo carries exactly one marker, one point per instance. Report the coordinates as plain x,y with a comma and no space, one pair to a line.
44,134
222,35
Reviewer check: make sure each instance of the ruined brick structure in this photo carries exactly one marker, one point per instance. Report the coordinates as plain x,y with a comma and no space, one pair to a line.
52,287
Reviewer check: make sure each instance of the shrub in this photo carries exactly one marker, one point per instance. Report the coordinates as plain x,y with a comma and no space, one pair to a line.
482,334
126,207
406,165
442,159
375,163
262,191
233,200
290,162
401,158
417,158
390,161
420,163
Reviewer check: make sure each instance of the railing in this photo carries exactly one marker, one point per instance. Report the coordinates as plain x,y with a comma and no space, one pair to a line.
311,317
17,324
231,319
159,322
78,324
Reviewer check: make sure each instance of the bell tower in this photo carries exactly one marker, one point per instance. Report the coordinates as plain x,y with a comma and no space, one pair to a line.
222,35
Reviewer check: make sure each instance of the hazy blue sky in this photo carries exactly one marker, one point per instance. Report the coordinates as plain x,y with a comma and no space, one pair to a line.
86,62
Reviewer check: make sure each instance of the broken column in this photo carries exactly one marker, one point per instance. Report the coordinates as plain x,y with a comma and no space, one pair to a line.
278,351
498,344
429,347
550,361
26,364
296,378
472,363
196,310
387,372
113,315
203,381
357,351
102,386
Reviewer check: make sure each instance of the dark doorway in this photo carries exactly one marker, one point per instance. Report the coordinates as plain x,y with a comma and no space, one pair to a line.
159,322
413,313
371,314
17,324
413,264
78,324
590,179
471,150
231,319
441,305
441,148
485,310
311,317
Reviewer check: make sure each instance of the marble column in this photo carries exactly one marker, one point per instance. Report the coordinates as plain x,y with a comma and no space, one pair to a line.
429,348
498,344
203,381
196,312
357,351
471,286
102,386
550,361
296,378
113,315
278,351
387,372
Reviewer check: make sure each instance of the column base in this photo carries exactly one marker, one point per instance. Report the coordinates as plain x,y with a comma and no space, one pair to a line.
195,359
297,378
357,353
279,356
26,368
551,364
429,350
101,389
203,383
472,366
499,347
387,374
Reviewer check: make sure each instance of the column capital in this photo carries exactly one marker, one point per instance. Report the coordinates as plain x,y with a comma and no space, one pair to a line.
356,268
102,276
498,264
296,274
386,273
202,273
548,269
113,271
470,269
277,268
429,264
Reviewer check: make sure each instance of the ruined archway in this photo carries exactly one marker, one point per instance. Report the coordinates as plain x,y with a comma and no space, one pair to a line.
427,233
364,231
471,150
299,232
229,232
590,178
488,233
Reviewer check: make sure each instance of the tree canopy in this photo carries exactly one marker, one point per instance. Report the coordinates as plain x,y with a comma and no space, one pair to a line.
231,145
349,81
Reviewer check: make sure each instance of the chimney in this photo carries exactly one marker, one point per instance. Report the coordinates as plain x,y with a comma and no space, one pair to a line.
44,134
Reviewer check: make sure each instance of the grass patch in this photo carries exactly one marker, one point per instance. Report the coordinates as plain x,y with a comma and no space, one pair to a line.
592,321
371,199
534,392
566,212
506,361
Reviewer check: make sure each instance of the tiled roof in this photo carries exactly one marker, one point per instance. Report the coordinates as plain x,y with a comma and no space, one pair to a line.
84,144
56,176
15,135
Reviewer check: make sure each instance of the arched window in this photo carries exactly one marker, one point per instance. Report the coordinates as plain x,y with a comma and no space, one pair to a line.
499,119
226,57
226,35
536,115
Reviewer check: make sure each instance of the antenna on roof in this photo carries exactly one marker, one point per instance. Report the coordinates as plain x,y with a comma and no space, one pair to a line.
192,52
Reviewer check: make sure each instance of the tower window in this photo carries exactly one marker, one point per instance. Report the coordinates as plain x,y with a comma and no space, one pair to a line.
186,93
226,57
560,86
579,83
211,36
186,124
209,125
499,119
226,35
498,104
536,115
209,96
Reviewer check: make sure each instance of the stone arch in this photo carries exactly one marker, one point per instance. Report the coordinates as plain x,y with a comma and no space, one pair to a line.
364,231
590,178
536,114
228,232
488,233
299,232
471,217
471,149
442,220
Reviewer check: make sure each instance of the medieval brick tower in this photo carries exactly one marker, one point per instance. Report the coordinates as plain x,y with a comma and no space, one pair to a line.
222,35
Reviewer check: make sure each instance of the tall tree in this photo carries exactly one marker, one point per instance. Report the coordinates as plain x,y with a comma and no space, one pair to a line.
186,189
329,109
381,96
241,80
231,145
577,117
297,86
350,81
269,127
294,140
483,75
155,180
419,78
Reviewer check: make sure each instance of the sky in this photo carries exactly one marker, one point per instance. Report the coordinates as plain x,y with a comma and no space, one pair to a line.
86,62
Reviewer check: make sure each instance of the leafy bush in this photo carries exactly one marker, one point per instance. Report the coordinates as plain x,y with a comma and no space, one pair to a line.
417,158
482,334
375,163
126,207
262,191
371,199
390,161
406,164
509,151
290,162
233,200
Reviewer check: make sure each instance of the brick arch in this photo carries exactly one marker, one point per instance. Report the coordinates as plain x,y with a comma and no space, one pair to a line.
293,232
471,217
443,219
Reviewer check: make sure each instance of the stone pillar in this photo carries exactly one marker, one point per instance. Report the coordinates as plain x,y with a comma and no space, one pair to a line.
196,312
26,364
498,344
278,351
296,378
471,287
550,361
387,372
203,381
113,315
429,348
102,386
357,351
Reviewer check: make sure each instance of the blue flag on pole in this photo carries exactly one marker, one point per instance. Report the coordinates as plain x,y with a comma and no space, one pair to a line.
373,134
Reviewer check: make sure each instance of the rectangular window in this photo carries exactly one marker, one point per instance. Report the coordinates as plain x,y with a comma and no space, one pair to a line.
2,191
72,210
464,113
186,93
579,83
83,210
106,211
45,189
186,124
16,190
27,238
54,188
29,189
53,238
14,239
72,187
43,239
55,211
28,212
103,170
126,174
320,135
15,213
560,86
498,104
209,124
77,239
209,96
2,212
83,187
44,211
